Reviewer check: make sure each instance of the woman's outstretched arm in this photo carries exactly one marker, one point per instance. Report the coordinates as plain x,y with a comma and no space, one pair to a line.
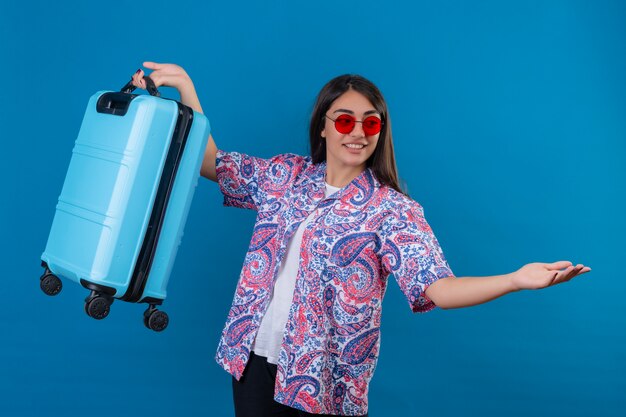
172,75
454,292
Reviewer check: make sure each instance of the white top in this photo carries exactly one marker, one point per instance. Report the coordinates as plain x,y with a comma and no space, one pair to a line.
270,335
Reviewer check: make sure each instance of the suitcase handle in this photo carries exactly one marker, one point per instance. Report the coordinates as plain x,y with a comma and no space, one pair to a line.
150,86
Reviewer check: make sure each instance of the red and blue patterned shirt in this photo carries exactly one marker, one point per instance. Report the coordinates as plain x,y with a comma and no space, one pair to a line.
358,237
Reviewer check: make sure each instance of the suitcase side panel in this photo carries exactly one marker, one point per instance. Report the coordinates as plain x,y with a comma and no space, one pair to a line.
178,209
133,229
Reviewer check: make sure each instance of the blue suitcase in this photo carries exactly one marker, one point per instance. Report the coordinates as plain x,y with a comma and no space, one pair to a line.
120,216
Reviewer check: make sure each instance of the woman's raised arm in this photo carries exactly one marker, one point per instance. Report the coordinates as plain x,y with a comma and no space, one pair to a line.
172,75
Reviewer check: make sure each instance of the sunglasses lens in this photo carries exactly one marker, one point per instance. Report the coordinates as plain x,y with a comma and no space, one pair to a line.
344,123
371,125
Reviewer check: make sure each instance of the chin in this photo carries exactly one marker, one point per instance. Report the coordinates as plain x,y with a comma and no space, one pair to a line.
355,164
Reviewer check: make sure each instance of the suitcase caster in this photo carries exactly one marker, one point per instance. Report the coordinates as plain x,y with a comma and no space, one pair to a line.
97,306
154,319
50,284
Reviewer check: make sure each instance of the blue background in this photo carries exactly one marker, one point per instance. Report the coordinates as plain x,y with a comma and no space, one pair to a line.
509,120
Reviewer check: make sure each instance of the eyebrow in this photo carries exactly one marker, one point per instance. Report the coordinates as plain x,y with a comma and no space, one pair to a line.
351,112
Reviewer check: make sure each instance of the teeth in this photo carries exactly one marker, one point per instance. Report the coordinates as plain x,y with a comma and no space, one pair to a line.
354,145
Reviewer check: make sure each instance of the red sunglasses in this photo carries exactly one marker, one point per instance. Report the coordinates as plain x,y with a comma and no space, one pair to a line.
345,123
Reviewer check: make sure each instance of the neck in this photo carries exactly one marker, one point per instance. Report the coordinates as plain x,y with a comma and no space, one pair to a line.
343,177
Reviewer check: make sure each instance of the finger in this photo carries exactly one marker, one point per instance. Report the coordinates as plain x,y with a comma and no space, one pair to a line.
152,65
139,82
558,265
583,270
559,276
158,80
554,279
137,76
573,273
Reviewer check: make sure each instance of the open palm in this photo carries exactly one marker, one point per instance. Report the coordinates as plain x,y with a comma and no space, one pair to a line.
540,275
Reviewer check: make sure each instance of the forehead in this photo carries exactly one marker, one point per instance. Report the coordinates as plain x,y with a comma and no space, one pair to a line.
354,101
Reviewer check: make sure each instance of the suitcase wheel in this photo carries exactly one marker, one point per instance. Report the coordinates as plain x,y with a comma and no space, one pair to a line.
50,284
154,319
97,306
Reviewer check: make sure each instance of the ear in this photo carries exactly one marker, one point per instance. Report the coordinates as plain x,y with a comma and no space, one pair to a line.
323,133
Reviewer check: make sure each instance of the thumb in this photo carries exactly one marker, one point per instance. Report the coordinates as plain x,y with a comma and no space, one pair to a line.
558,265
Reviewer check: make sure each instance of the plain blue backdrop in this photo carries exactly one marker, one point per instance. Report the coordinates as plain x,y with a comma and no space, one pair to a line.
509,122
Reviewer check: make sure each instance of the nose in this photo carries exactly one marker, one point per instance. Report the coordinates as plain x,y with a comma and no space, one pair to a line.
358,132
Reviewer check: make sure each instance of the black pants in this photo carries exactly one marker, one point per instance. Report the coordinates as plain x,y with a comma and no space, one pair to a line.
254,392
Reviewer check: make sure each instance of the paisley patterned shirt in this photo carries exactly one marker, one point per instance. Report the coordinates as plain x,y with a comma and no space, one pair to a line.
358,237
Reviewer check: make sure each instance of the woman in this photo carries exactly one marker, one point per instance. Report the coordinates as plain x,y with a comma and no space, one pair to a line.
302,335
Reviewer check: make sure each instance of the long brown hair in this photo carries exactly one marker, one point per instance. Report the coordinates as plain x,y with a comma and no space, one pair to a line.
382,161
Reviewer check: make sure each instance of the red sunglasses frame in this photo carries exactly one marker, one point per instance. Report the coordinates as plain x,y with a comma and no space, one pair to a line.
345,123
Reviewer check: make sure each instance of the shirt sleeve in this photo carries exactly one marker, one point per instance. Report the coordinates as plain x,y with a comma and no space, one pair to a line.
412,254
245,181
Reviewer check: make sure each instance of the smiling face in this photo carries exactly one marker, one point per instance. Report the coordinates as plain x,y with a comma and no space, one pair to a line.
347,153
